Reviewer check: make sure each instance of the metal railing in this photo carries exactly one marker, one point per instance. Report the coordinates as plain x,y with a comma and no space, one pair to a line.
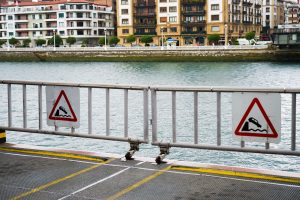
137,48
150,123
39,87
218,91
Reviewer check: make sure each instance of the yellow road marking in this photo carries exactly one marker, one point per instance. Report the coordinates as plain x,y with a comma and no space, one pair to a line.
47,153
240,174
59,180
132,187
2,135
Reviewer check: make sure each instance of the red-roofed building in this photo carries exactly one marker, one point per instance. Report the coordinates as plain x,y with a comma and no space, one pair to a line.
84,20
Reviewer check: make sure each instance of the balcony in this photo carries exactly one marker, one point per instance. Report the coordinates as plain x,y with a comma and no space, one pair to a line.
247,22
236,1
140,25
257,5
144,33
191,32
193,2
144,4
145,14
235,12
193,12
247,3
189,23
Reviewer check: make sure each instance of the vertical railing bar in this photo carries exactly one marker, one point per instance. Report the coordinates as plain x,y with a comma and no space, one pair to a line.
242,144
56,128
107,113
126,113
218,118
24,106
9,105
293,125
174,116
90,112
196,118
154,115
267,145
40,96
72,130
146,116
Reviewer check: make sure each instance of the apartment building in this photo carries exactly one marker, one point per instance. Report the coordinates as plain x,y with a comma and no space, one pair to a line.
272,15
188,22
40,20
292,13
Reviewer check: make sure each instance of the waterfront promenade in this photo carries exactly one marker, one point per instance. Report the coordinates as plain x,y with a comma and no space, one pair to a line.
29,172
161,54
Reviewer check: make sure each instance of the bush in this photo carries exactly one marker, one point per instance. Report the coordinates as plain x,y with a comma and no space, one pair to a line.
102,41
130,39
13,41
71,40
147,39
58,41
2,42
40,42
250,35
213,38
26,42
114,40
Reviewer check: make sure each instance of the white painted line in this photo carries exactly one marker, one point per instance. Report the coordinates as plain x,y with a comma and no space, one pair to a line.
95,183
140,163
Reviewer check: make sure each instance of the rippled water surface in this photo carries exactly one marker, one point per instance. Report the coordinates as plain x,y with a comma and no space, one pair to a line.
192,74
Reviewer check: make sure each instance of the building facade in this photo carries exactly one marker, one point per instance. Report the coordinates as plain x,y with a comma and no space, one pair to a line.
188,22
40,20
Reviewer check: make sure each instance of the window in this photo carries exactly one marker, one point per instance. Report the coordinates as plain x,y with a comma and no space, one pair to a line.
125,31
215,18
124,2
125,21
163,19
172,9
268,9
61,15
172,19
172,0
61,24
215,7
162,1
10,17
215,29
124,11
63,7
163,9
164,30
61,32
173,29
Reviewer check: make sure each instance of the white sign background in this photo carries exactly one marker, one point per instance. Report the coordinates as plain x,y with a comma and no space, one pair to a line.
72,93
271,102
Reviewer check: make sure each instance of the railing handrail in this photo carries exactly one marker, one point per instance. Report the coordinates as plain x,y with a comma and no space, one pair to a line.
160,87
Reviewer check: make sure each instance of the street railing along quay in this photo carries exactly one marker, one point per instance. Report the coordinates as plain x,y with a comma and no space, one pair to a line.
149,123
138,48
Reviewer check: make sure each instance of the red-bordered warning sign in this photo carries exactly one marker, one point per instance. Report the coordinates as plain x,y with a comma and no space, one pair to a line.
62,109
243,128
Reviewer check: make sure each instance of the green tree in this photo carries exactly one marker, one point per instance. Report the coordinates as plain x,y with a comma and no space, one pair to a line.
250,35
114,40
58,41
2,42
84,42
102,41
40,42
130,39
71,40
26,42
147,39
214,38
13,41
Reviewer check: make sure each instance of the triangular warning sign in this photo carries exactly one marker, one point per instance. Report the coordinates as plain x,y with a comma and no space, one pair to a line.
244,129
62,109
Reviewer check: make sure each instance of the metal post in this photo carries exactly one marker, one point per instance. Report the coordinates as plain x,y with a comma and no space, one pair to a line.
242,144
195,117
107,113
154,115
218,118
174,116
126,113
162,38
293,126
24,107
40,94
90,125
146,116
105,48
9,105
54,31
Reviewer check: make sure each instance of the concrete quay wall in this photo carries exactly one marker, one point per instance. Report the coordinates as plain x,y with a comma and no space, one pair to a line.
236,55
